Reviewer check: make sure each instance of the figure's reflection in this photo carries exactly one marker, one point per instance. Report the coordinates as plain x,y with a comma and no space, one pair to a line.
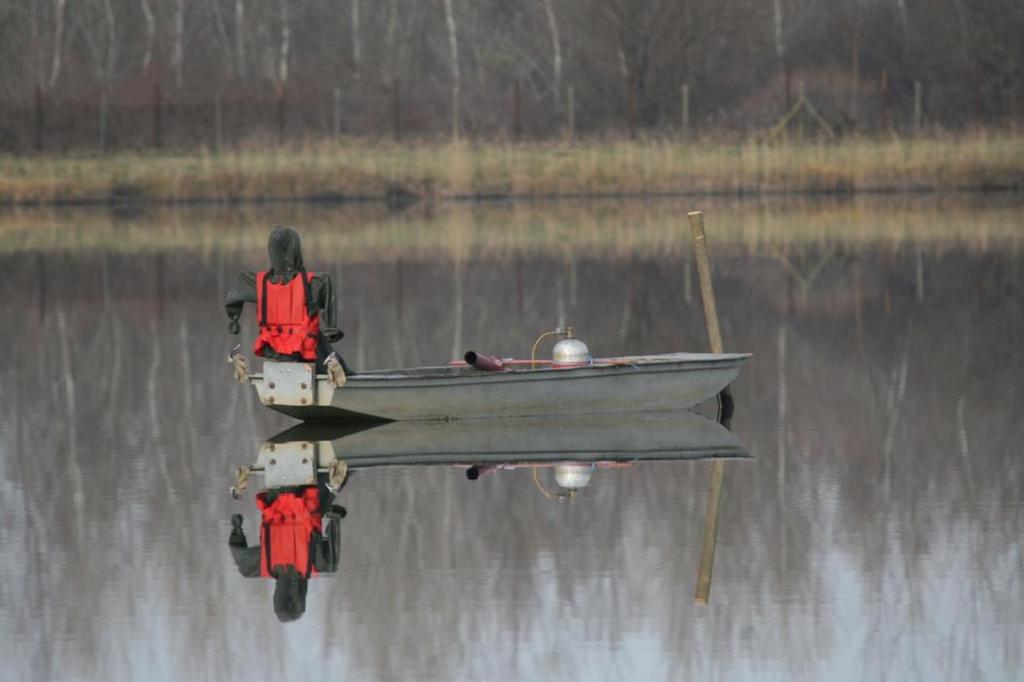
299,539
299,526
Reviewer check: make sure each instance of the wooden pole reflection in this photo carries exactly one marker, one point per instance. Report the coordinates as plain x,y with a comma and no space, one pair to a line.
707,555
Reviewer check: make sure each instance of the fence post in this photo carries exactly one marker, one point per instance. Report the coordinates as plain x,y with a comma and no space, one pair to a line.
218,139
158,125
336,119
281,113
802,90
917,107
1013,109
516,122
686,111
787,84
572,115
40,120
631,106
883,101
396,111
103,117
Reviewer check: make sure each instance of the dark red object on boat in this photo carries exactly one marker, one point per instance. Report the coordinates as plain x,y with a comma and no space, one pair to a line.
485,362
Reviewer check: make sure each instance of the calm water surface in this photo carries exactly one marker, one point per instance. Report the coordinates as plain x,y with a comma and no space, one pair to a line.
875,533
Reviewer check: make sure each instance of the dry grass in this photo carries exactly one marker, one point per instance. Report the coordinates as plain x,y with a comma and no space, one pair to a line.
354,168
371,233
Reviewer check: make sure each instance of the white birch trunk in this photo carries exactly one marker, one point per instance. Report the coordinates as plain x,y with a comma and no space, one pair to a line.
107,68
901,6
177,42
780,45
147,14
286,42
103,117
111,61
240,37
453,44
36,58
389,41
556,51
58,40
222,35
357,47
858,24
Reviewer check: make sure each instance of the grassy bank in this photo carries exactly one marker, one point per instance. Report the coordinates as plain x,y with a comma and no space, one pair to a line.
357,169
370,232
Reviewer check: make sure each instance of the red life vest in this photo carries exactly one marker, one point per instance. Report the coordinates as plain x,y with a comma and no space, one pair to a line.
287,529
283,311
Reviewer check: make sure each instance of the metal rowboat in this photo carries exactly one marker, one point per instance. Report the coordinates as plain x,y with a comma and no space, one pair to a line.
627,384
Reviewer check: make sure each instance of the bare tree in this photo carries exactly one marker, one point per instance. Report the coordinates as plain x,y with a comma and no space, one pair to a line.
453,45
901,7
45,37
556,51
240,37
58,40
357,46
286,44
97,26
780,44
147,13
177,43
226,48
398,34
626,59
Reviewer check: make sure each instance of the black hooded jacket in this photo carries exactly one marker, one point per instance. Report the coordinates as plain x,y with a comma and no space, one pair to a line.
285,250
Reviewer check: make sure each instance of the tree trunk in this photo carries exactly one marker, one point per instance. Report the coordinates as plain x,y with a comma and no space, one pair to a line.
111,61
225,40
901,6
35,58
780,47
147,55
177,47
357,46
240,37
103,118
286,43
556,51
453,43
389,41
858,23
58,40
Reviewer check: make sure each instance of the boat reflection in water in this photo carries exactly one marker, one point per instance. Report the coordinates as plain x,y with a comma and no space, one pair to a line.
309,460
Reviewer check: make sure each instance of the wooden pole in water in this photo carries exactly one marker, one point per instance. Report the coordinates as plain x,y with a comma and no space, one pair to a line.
707,292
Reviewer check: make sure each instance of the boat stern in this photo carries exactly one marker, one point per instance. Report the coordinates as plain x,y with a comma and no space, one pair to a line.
291,384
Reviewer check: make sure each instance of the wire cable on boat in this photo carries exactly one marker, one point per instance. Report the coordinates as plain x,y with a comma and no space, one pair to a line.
562,331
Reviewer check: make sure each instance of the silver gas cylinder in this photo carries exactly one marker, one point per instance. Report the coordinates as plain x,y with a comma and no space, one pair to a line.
570,352
573,476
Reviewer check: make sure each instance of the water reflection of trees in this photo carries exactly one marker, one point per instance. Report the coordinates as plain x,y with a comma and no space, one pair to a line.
879,524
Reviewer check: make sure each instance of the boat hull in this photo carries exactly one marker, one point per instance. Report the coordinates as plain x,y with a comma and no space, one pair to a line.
628,384
652,436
